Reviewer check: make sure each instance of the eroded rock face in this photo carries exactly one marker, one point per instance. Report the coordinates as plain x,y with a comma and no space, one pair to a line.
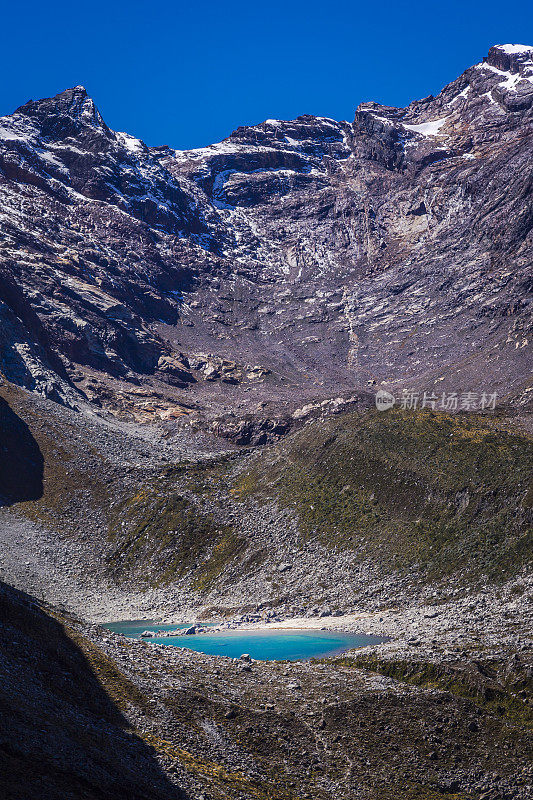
394,250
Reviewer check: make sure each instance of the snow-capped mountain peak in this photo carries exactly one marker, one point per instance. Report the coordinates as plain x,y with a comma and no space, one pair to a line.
315,243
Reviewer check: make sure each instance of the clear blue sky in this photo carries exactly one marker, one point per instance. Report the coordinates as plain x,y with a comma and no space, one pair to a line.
187,74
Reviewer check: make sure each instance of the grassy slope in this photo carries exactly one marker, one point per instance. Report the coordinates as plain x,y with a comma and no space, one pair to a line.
448,492
171,534
157,530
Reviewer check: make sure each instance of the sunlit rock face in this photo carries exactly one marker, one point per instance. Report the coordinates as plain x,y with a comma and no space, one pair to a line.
313,256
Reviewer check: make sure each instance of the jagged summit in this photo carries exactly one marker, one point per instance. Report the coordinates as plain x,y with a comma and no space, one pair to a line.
514,49
513,58
64,114
70,100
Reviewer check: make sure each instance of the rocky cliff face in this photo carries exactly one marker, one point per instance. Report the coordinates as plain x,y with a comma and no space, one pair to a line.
293,259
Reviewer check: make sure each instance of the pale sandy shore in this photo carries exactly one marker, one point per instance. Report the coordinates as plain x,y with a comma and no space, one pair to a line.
346,622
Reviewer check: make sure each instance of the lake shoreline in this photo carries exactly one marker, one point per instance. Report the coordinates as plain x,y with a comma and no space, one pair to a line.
250,643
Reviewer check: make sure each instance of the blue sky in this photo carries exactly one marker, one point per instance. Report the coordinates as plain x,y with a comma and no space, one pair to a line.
187,74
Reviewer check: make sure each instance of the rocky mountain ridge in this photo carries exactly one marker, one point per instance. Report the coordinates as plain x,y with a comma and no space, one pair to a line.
315,256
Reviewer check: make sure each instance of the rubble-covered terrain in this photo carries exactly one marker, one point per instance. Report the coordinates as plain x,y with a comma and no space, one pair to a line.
361,509
91,714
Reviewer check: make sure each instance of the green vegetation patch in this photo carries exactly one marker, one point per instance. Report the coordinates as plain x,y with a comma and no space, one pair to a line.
449,492
508,694
217,777
168,535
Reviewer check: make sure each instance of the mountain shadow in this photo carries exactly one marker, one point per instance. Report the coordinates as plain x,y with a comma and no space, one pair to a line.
21,461
61,733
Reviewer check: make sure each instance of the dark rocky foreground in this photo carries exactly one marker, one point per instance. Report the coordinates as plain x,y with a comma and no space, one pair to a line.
87,714
62,733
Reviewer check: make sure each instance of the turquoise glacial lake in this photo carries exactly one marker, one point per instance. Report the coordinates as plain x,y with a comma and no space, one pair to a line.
263,645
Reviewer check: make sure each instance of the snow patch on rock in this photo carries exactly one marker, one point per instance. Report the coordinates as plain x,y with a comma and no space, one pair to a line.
512,49
427,128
